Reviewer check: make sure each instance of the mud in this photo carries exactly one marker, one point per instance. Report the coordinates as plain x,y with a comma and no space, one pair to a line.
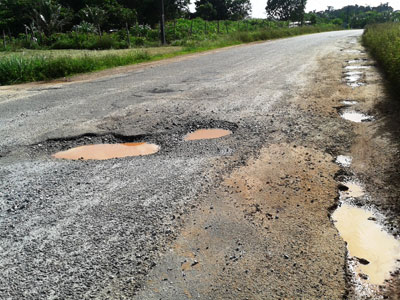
367,241
207,134
107,151
354,190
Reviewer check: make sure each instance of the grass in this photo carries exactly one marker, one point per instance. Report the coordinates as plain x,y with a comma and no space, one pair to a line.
39,65
383,42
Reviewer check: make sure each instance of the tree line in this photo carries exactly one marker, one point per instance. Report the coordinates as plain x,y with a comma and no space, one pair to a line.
47,17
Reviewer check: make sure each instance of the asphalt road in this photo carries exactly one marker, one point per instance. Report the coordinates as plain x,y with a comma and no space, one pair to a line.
76,229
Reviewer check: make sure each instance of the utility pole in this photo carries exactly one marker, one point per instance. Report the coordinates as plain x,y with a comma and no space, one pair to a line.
162,27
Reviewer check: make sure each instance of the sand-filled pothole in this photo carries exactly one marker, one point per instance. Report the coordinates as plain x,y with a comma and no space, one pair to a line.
107,151
376,251
205,134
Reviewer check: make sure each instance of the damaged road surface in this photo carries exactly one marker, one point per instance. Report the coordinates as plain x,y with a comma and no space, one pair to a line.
233,199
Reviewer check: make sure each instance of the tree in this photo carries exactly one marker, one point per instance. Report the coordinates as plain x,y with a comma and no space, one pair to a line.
206,11
286,10
239,9
94,15
223,9
49,16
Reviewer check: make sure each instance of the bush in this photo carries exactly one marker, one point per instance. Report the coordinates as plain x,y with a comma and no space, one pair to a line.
17,69
383,42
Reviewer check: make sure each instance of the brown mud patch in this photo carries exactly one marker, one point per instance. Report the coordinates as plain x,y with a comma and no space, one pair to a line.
206,134
107,151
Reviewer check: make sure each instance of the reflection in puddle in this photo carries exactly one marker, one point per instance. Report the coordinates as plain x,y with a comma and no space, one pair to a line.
356,116
344,161
356,61
349,102
352,51
205,134
357,67
355,84
376,250
353,76
108,151
355,190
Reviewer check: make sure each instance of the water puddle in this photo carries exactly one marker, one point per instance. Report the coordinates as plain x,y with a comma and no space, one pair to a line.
356,61
357,67
349,102
355,84
353,76
356,117
352,51
205,134
375,250
344,161
107,151
354,190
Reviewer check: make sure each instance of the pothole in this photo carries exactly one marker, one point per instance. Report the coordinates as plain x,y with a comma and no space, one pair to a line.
355,116
344,161
376,252
357,67
205,134
107,151
353,190
356,61
352,51
353,76
349,102
355,84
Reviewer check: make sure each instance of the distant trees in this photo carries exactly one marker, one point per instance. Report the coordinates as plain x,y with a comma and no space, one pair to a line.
223,9
286,10
355,16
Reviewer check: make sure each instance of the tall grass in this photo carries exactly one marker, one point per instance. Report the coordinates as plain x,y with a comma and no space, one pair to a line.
19,68
383,42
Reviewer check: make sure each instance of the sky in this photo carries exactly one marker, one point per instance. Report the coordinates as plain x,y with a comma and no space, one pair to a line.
259,5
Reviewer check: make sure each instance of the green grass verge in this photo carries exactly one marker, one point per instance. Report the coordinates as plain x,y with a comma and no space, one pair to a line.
383,42
19,68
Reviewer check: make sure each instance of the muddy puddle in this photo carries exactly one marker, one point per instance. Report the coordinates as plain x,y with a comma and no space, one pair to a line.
344,161
356,61
353,76
349,102
352,51
107,151
375,251
205,134
353,190
355,116
357,67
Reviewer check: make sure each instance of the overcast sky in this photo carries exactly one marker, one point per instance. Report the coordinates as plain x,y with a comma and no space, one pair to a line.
259,5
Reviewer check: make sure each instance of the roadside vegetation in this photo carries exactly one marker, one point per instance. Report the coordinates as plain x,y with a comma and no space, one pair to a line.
47,39
383,42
